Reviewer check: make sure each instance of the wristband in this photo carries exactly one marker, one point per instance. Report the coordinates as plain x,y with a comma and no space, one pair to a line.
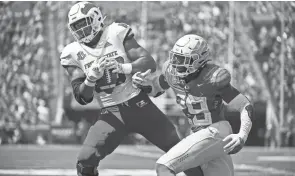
126,68
89,83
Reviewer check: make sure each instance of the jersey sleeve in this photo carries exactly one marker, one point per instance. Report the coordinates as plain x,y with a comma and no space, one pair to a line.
123,31
67,58
221,78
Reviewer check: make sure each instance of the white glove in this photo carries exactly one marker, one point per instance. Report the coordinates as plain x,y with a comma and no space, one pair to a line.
235,143
96,70
119,67
139,79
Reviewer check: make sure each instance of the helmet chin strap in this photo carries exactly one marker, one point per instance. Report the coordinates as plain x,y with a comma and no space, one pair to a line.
95,40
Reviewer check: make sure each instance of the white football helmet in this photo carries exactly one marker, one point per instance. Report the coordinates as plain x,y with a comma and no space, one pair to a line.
188,55
85,21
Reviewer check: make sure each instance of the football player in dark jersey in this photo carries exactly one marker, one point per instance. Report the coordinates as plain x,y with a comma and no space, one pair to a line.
201,88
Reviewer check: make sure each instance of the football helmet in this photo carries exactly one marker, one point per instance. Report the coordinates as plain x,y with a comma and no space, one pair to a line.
188,55
85,21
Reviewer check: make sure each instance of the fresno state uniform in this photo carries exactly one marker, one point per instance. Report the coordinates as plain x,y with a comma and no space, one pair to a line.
199,95
112,88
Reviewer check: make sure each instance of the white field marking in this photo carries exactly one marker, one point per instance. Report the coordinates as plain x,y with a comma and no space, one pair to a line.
245,149
118,172
73,172
276,158
268,170
151,155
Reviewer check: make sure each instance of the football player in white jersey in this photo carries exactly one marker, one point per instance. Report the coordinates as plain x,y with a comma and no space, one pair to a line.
100,65
200,88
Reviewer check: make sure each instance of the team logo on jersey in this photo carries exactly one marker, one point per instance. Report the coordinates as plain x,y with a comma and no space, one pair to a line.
141,103
81,55
104,111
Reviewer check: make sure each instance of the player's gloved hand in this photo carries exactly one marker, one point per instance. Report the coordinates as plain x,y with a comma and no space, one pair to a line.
96,70
124,68
234,143
139,79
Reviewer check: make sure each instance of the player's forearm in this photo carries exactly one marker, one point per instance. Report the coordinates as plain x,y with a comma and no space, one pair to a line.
141,59
243,105
159,85
154,86
86,91
83,91
161,81
144,63
246,122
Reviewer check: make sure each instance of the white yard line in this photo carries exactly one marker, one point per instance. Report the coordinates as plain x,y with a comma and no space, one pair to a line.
125,172
73,172
269,170
276,158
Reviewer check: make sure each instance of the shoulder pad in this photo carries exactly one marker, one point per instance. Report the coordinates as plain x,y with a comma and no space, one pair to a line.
221,77
121,30
67,57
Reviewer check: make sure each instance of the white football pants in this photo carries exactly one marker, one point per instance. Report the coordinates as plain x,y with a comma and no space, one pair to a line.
203,148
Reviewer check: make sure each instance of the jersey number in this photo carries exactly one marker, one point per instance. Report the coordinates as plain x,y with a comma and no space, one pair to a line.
195,108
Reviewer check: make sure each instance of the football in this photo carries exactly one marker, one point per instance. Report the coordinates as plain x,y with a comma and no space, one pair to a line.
110,80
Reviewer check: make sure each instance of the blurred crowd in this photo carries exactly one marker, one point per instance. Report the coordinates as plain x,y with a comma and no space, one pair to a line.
26,72
25,69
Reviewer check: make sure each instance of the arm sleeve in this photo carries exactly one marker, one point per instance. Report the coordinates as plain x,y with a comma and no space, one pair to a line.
236,102
76,86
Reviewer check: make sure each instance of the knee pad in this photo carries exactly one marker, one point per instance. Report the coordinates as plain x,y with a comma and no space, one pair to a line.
83,170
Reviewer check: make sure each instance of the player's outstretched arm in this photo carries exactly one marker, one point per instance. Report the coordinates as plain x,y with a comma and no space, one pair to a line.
153,85
239,102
